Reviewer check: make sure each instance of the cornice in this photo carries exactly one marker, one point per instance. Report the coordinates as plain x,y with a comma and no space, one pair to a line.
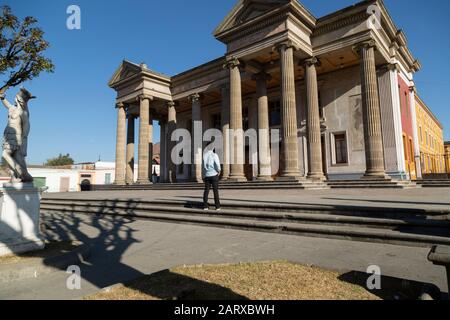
273,16
338,24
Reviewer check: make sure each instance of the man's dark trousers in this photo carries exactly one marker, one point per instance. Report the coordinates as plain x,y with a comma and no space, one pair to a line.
214,182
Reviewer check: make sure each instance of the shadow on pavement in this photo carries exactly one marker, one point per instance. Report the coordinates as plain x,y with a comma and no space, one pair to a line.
110,238
167,285
394,288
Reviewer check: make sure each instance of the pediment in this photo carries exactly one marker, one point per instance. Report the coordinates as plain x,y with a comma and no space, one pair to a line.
247,10
126,70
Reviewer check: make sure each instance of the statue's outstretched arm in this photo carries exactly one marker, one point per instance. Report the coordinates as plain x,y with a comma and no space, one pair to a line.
6,102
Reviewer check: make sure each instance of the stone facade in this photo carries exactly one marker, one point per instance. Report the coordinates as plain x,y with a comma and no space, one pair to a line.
329,84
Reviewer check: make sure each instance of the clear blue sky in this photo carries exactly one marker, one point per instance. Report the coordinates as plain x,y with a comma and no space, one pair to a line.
75,111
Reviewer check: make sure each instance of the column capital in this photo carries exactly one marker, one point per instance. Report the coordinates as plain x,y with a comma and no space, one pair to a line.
171,104
364,45
286,44
263,76
313,61
392,66
120,105
195,97
142,97
232,63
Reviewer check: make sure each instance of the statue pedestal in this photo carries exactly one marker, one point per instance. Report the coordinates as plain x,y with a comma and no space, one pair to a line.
19,218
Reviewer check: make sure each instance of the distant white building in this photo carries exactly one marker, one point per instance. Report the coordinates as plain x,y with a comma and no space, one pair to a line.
76,177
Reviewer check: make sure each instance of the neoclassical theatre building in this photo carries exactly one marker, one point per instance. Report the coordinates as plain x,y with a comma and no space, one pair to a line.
339,88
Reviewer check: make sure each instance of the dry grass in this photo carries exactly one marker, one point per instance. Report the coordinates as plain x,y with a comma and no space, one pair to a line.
256,281
51,249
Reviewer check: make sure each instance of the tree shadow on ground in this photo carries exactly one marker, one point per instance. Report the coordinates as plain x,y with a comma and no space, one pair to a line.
394,288
110,237
167,285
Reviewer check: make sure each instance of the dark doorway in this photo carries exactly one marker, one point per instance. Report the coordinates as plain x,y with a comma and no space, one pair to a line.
324,155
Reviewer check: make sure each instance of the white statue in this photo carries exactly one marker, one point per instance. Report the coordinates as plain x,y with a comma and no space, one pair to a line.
15,139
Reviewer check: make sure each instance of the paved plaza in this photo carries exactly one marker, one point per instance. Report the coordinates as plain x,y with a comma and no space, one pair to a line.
433,198
124,248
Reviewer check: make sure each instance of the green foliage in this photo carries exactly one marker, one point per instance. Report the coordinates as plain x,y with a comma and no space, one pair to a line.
21,48
61,160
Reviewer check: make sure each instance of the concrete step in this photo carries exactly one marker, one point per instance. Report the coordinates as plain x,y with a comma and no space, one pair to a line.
302,185
372,184
412,231
434,183
359,233
262,206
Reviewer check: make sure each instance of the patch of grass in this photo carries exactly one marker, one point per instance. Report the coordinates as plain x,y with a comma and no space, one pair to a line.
51,249
254,281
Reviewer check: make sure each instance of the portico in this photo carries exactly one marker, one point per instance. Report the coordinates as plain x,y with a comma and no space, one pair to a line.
316,80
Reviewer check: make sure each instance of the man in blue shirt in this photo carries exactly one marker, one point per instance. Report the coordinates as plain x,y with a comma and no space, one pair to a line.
211,172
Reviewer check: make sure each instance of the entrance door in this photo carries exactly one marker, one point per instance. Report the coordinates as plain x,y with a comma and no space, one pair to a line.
324,156
64,184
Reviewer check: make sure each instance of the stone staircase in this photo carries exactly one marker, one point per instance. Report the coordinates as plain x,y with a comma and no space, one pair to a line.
251,185
434,183
258,185
412,227
373,184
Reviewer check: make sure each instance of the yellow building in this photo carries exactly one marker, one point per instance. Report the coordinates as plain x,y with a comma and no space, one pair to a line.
447,156
431,140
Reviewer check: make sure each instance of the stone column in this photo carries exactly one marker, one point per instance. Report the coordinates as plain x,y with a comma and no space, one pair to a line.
130,150
375,168
144,140
197,142
120,145
288,113
150,147
315,165
163,151
412,105
225,91
172,126
237,134
265,166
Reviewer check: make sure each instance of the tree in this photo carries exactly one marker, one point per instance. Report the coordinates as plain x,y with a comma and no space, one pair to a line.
61,160
21,48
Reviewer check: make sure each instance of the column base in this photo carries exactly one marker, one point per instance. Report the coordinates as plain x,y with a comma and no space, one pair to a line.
119,183
376,176
317,177
143,182
264,178
196,180
290,178
237,179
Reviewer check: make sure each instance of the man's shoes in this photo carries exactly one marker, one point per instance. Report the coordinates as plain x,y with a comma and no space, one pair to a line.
206,209
218,209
